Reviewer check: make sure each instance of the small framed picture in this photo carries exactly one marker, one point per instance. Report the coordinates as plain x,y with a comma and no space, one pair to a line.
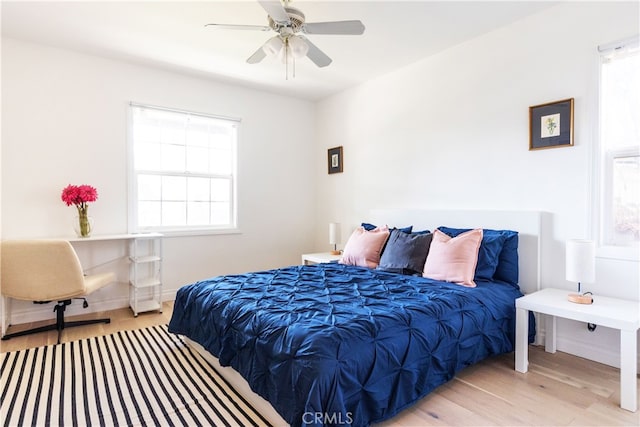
551,125
334,159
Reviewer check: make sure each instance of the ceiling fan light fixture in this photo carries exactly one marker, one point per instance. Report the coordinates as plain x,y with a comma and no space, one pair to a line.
273,46
290,25
298,47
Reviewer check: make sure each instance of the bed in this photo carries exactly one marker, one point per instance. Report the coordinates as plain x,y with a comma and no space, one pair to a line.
335,344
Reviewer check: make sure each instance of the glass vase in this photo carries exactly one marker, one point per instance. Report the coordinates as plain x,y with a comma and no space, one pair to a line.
83,225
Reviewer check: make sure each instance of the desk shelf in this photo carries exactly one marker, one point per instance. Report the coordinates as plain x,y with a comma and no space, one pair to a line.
145,284
145,259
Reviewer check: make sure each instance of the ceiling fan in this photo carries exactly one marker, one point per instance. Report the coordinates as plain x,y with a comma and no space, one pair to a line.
290,25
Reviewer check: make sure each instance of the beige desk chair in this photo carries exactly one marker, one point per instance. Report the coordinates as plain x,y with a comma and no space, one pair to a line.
43,271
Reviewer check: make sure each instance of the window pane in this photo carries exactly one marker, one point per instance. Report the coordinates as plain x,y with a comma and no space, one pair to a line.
197,133
147,156
626,200
220,214
149,187
174,213
197,159
198,213
220,190
162,116
146,131
220,161
174,188
149,214
621,102
198,189
221,140
173,133
173,157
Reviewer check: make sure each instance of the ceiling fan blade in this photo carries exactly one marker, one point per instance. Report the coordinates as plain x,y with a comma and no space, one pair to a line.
316,55
275,10
335,27
258,56
239,27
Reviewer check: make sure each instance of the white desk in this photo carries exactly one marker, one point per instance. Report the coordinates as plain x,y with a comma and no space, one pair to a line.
139,281
102,237
609,312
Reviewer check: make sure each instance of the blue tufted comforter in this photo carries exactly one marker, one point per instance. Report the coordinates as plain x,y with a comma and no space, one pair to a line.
341,345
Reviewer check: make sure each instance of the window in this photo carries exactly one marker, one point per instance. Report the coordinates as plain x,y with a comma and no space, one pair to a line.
619,150
183,171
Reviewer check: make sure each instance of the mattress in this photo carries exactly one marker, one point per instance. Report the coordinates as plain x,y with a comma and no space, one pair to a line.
332,344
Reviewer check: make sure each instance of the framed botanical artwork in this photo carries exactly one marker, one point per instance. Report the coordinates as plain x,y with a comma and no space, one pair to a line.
334,159
551,125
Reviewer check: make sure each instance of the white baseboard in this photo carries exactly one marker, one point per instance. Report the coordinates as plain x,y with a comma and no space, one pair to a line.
586,350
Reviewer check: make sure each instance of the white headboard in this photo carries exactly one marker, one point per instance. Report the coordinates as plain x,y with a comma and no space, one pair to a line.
526,223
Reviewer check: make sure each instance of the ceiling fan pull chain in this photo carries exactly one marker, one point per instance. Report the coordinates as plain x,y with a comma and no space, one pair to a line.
286,58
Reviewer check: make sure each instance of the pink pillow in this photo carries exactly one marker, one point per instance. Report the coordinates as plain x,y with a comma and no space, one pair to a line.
453,259
365,247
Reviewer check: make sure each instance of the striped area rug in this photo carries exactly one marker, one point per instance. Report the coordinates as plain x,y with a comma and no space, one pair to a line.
143,377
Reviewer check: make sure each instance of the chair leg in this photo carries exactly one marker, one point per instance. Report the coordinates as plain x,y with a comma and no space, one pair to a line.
82,323
30,331
60,323
59,309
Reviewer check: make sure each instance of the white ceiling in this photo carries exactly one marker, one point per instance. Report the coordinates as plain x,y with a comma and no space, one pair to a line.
172,35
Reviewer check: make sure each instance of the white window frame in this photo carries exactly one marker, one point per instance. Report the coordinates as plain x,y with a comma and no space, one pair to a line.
186,230
603,171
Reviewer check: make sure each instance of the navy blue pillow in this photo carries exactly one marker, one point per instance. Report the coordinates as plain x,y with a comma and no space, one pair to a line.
370,227
405,253
489,253
507,270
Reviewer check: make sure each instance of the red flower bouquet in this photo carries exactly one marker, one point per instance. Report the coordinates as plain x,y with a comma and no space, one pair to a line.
80,195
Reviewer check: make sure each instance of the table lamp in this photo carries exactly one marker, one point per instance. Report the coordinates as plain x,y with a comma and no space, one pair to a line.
334,237
581,267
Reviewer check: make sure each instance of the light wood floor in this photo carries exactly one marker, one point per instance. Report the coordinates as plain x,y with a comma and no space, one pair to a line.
558,390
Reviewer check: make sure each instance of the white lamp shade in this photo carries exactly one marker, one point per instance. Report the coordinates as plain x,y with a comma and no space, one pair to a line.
273,46
298,47
334,233
581,261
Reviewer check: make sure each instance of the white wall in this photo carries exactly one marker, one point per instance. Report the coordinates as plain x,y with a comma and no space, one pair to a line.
64,121
451,131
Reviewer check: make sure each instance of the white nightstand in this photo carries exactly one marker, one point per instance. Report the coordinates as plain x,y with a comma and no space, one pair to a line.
609,312
318,258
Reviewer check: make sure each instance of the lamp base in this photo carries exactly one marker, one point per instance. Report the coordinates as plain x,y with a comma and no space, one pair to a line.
580,298
335,252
